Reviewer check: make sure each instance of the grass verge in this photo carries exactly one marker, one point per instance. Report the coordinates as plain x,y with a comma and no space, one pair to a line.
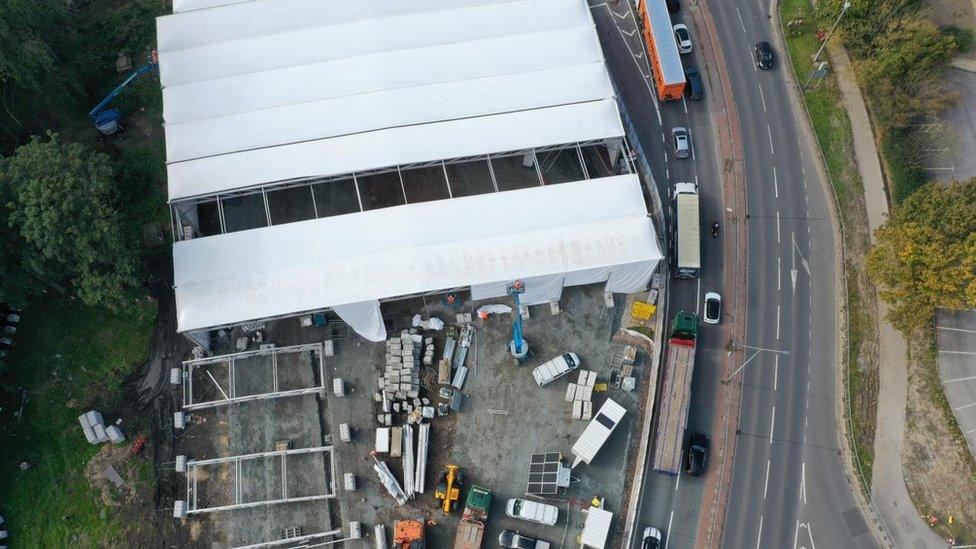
833,131
70,358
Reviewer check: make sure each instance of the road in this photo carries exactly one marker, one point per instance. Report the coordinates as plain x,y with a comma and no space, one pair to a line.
789,487
670,503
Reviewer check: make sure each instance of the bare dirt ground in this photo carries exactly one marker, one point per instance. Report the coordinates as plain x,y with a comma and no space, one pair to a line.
960,13
939,471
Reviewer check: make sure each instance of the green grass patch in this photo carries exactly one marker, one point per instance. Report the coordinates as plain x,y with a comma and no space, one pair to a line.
833,131
70,358
965,37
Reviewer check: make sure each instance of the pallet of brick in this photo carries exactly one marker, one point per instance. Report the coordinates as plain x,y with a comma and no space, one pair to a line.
571,392
577,409
587,412
584,393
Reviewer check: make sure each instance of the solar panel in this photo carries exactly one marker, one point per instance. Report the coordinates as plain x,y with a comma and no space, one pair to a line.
546,474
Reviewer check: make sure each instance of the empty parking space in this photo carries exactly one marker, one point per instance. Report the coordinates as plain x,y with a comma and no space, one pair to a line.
956,338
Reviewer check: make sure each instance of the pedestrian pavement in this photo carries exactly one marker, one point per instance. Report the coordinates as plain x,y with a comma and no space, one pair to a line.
888,491
956,342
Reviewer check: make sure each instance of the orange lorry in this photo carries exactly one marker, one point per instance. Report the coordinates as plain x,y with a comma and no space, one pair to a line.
662,50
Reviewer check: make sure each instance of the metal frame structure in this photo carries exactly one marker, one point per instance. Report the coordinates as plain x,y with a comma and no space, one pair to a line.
230,394
312,182
193,465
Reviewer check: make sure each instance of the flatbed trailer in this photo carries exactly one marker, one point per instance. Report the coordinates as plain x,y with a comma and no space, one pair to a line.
675,394
471,528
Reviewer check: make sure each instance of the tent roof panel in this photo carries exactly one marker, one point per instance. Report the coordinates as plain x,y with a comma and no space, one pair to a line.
308,45
385,253
395,146
386,109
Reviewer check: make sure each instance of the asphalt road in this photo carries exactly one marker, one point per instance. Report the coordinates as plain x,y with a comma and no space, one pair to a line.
670,503
789,485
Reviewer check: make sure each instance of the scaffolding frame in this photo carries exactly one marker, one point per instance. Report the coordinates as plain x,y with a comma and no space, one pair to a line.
193,465
230,395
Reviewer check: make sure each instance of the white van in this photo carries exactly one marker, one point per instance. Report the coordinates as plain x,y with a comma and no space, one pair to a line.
532,511
556,368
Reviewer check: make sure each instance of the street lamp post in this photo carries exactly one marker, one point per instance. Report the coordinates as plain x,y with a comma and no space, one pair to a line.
846,6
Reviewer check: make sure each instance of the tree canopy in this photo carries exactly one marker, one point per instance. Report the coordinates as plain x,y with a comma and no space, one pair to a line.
62,224
925,254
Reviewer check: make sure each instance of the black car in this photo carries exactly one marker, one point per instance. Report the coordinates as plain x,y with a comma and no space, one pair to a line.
764,56
696,455
673,5
695,88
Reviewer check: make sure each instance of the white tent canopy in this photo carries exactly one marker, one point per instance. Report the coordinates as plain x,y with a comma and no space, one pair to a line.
580,232
273,90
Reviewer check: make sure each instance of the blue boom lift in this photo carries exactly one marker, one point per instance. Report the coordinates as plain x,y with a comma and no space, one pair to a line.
517,346
107,120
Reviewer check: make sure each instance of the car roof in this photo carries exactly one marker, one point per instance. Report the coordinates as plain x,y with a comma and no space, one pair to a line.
763,46
712,295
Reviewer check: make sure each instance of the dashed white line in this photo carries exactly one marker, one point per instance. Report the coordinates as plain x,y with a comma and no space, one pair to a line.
777,322
772,425
766,483
741,24
759,537
803,482
667,540
775,370
769,131
777,227
779,276
762,97
776,183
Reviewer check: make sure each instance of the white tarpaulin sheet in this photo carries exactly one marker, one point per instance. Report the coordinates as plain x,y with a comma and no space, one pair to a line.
273,90
364,317
573,227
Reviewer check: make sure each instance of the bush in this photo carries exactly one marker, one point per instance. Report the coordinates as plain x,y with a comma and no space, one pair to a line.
965,38
900,151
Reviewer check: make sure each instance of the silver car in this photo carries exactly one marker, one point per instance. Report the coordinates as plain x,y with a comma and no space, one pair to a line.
682,38
681,141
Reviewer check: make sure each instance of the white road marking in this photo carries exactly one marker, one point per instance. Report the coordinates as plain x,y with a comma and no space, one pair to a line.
775,180
741,24
684,104
965,406
759,537
793,271
955,329
777,322
796,535
762,97
766,483
769,131
667,539
957,352
777,226
779,277
803,482
698,296
772,425
667,174
775,370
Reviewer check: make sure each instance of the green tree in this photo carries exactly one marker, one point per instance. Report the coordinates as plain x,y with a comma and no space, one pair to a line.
62,205
925,254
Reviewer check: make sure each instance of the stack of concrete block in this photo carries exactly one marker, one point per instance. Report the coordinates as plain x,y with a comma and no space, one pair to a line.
581,395
399,387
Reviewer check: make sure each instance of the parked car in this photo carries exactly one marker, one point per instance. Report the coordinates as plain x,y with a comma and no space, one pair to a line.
556,368
681,142
651,538
513,540
682,37
695,89
696,456
532,511
764,56
712,313
673,5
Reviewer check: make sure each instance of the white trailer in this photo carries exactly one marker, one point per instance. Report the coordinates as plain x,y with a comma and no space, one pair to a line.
556,368
597,432
687,231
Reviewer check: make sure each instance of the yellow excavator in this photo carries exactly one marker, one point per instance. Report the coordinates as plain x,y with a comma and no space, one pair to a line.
449,488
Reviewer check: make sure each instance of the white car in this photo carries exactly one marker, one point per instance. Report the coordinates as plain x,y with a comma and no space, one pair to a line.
683,38
651,538
556,368
712,313
532,511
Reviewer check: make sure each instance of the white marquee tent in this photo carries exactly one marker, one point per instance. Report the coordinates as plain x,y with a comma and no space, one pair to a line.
264,91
